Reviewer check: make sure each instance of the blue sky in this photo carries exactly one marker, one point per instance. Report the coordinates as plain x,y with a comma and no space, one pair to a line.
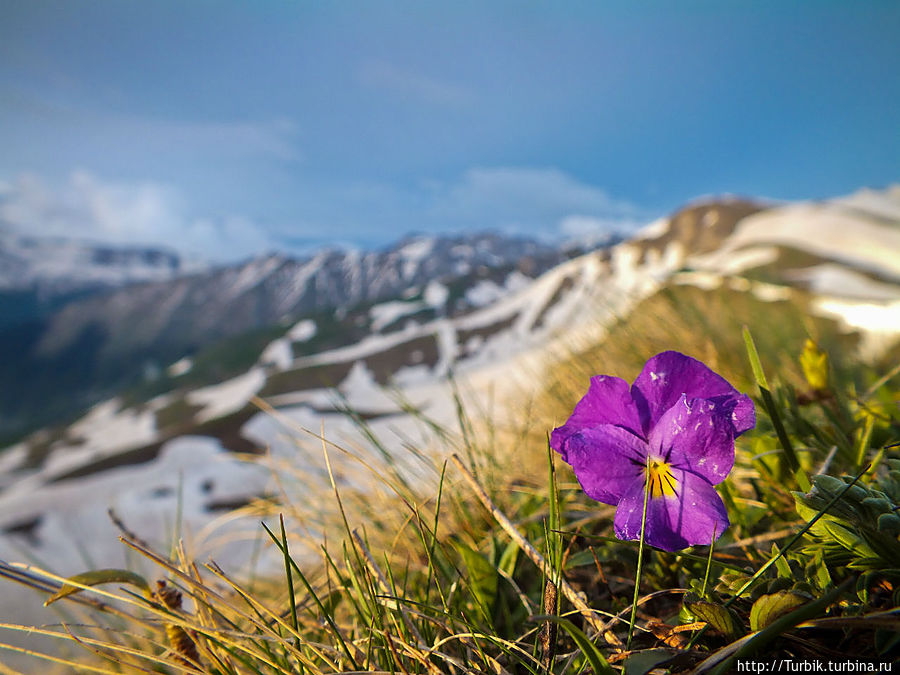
230,127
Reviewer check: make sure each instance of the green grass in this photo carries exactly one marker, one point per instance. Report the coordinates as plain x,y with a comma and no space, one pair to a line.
444,566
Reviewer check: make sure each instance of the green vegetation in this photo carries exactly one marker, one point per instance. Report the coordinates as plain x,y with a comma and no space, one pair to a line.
499,563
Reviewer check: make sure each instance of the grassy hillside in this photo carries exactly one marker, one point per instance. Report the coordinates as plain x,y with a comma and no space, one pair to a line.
455,568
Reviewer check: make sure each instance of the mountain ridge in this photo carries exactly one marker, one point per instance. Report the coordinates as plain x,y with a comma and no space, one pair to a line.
123,332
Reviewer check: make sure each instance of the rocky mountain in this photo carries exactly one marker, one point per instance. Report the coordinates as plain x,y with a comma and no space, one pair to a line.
39,275
152,313
375,376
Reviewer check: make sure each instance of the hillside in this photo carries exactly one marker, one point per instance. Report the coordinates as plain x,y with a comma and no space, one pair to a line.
389,362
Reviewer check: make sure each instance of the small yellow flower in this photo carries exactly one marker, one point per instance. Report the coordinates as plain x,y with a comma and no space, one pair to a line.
815,365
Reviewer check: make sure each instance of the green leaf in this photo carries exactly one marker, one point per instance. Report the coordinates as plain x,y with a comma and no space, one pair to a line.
770,607
719,619
94,577
509,558
818,570
580,559
846,537
482,575
642,662
889,522
784,569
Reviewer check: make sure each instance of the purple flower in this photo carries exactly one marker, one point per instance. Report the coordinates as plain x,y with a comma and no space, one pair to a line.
674,429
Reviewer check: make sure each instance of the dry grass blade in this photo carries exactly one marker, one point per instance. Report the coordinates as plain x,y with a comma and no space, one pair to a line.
75,665
262,625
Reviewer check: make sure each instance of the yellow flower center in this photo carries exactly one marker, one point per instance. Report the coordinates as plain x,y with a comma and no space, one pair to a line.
660,480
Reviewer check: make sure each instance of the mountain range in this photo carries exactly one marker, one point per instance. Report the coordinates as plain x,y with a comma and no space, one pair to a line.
84,322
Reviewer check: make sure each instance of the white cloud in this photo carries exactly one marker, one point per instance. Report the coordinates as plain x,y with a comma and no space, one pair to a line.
232,237
142,213
536,200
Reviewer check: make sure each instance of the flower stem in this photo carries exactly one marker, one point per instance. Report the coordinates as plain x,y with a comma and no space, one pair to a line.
712,545
640,565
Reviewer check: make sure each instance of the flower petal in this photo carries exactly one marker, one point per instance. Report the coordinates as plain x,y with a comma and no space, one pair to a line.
607,401
744,415
696,435
607,460
690,518
668,375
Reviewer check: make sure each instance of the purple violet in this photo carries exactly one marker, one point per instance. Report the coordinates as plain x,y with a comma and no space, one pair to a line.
673,429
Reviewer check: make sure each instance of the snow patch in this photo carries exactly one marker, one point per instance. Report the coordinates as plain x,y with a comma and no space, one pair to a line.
413,254
770,292
436,294
837,280
707,281
516,281
362,392
227,397
878,323
106,428
302,330
388,312
881,203
654,230
735,262
253,273
278,353
484,293
180,367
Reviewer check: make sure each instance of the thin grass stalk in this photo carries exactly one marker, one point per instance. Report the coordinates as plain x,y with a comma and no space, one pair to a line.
883,380
863,439
320,436
75,665
175,659
385,586
328,619
289,577
464,424
258,608
243,641
431,545
203,609
640,563
247,598
712,545
363,584
92,642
